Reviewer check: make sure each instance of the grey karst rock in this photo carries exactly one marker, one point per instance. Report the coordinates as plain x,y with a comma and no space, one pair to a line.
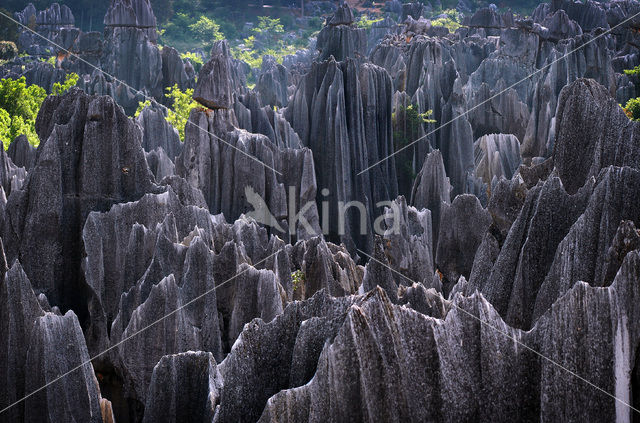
188,195
342,16
21,153
342,112
367,341
273,83
589,15
120,245
174,71
527,252
130,52
265,120
592,132
126,96
218,79
157,132
496,155
506,113
497,371
187,326
160,164
89,159
79,400
463,224
49,23
257,295
570,325
491,21
408,241
236,171
584,254
19,309
131,13
414,10
379,30
323,266
339,38
268,357
184,387
424,300
379,273
507,199
12,177
536,172
560,26
431,190
541,131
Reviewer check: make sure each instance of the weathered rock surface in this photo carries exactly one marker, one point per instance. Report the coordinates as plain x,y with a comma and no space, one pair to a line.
184,387
342,112
340,38
21,153
592,133
89,158
374,330
157,132
186,270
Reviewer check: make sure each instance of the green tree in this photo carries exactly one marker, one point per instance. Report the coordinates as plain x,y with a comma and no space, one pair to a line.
206,31
632,108
269,31
20,104
70,80
178,113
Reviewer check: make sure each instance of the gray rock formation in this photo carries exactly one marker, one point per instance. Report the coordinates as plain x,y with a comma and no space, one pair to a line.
494,379
170,400
21,153
157,132
496,155
432,191
89,158
592,133
342,112
463,223
240,172
340,38
218,79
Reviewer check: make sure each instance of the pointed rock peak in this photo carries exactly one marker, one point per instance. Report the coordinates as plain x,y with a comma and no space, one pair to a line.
343,16
55,16
130,13
215,80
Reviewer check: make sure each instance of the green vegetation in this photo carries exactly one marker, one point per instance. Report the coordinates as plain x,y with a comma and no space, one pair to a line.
407,127
206,31
8,50
365,22
632,108
195,60
298,278
70,80
20,104
632,72
451,22
267,38
178,113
